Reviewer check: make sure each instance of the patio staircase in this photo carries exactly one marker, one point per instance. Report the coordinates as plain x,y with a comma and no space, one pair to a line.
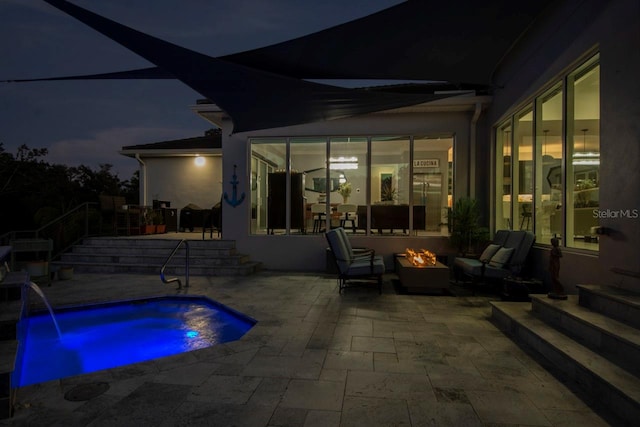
592,338
107,255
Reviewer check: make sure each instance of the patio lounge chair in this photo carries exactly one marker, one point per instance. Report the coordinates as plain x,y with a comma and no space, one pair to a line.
354,265
504,257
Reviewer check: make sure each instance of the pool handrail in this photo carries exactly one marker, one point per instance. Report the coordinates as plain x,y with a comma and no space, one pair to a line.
186,267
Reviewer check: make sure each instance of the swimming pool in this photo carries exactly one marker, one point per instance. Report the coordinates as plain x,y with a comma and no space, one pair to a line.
109,335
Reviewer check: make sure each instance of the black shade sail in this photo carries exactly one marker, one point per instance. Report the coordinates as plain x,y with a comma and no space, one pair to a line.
459,41
255,99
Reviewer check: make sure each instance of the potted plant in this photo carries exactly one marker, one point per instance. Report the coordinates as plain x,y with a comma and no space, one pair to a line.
464,226
158,220
148,227
345,191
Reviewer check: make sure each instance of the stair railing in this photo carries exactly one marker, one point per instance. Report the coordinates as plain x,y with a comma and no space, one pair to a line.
65,230
186,266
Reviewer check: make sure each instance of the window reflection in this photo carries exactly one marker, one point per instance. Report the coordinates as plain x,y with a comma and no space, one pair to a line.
553,195
523,169
583,169
549,166
267,157
503,177
330,183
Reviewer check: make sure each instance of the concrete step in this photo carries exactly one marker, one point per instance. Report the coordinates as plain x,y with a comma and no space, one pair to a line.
155,243
614,302
144,259
223,270
607,383
108,255
163,251
617,341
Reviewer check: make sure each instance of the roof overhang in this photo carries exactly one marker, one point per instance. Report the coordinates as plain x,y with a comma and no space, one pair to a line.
177,152
211,112
462,102
457,103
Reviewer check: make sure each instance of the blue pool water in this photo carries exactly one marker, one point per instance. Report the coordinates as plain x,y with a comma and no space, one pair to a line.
110,335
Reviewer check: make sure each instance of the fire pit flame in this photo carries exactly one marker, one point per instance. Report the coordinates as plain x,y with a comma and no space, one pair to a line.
420,258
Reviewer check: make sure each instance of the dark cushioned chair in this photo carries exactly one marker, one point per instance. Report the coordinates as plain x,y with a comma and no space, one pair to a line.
505,256
354,265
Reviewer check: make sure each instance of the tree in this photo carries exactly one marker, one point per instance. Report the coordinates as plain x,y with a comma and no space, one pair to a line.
93,183
34,192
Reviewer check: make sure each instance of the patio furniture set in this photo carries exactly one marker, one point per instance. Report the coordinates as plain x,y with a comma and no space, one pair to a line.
503,261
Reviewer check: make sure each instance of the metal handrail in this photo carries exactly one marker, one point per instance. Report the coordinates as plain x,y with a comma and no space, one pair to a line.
61,244
186,266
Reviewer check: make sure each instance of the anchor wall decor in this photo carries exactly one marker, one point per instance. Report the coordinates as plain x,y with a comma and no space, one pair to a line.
234,201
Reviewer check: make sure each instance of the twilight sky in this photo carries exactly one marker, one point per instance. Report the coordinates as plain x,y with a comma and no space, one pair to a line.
87,122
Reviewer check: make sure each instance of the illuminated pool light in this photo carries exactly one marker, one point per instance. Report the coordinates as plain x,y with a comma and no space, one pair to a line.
192,334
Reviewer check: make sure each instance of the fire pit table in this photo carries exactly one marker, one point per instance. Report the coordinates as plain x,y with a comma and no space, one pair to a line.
431,277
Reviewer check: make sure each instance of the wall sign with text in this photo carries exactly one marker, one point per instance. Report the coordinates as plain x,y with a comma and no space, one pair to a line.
426,163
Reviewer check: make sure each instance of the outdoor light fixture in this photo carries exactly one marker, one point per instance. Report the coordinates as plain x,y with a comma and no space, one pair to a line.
343,163
200,161
585,157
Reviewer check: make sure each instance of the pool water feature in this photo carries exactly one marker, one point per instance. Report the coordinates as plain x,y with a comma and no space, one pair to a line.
38,291
110,335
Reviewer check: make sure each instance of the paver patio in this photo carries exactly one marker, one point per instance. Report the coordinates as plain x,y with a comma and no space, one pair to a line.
316,358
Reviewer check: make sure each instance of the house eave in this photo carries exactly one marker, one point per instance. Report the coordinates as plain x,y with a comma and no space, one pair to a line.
210,112
464,102
216,152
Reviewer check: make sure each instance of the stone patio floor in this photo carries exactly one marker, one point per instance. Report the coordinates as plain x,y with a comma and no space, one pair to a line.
315,358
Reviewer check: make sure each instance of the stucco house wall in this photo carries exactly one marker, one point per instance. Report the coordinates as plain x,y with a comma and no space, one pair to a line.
569,33
307,253
179,181
169,172
566,34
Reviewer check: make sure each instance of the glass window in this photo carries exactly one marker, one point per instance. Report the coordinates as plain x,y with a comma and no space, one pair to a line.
583,139
390,184
268,158
523,170
548,195
503,177
348,164
310,184
554,183
304,185
432,184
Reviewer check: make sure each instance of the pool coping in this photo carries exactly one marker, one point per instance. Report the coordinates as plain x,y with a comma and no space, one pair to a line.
10,344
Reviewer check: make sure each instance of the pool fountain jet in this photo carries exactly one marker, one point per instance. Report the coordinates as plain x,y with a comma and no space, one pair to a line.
38,291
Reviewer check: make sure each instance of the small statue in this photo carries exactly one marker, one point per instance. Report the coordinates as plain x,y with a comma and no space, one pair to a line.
554,270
